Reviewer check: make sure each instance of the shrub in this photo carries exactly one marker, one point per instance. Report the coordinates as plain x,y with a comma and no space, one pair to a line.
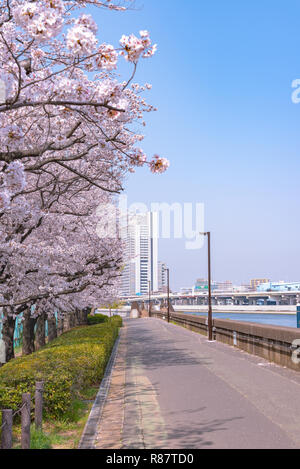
97,319
69,364
101,318
117,320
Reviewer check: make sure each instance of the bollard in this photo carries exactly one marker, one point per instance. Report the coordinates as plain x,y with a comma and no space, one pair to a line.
38,411
7,422
25,421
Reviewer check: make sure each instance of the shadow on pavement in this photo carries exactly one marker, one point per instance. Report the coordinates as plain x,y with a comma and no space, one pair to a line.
195,435
153,351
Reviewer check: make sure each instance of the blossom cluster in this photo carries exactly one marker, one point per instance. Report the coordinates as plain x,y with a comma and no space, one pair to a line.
133,47
106,57
140,157
159,165
13,182
42,19
81,39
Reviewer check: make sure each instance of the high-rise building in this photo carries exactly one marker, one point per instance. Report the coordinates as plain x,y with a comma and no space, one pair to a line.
224,286
257,281
162,277
140,234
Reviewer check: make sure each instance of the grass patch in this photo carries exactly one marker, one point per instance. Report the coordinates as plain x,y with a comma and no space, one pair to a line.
72,367
39,439
89,394
60,434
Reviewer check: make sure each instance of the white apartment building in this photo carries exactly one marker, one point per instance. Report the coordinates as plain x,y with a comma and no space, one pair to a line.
162,277
141,254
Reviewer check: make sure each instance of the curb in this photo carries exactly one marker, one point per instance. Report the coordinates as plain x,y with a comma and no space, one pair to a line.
88,437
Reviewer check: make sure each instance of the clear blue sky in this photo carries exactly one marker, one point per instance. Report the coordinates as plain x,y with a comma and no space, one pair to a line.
222,83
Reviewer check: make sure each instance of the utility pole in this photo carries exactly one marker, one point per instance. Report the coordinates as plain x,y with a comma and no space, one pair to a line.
168,283
149,286
210,319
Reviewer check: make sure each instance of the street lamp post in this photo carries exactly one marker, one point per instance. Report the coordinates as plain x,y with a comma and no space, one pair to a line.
168,287
210,319
168,280
149,310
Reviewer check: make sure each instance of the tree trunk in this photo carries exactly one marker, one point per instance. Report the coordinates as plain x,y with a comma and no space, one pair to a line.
60,325
40,335
72,320
84,316
77,318
8,330
52,330
28,332
67,322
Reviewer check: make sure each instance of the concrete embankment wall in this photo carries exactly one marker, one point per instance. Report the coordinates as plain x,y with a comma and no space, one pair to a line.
273,343
272,309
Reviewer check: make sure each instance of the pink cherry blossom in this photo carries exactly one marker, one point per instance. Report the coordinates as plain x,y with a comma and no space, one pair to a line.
14,177
81,40
88,22
134,48
4,200
106,57
159,165
42,19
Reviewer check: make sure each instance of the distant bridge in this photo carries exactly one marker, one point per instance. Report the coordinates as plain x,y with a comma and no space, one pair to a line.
290,298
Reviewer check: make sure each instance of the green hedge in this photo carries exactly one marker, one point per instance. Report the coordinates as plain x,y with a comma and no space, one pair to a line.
97,319
101,318
68,365
117,321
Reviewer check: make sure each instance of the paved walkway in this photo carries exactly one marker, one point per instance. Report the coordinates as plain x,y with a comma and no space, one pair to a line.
171,388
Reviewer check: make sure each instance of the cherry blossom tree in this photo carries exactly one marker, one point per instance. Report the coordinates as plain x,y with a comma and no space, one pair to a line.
67,139
56,260
63,103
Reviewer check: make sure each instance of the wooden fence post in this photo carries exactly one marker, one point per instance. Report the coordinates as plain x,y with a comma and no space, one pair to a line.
6,436
25,421
38,411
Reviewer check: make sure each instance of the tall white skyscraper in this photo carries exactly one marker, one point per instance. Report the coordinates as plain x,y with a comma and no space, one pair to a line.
141,254
162,277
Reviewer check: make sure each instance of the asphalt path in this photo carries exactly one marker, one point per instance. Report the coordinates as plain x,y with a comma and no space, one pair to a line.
182,391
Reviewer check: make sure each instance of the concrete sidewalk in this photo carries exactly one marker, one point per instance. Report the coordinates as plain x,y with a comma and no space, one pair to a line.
172,389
